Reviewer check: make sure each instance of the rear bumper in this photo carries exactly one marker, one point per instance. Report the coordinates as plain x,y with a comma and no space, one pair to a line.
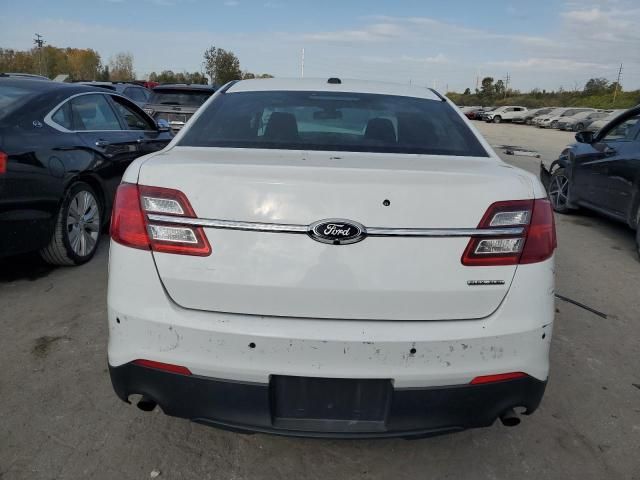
250,407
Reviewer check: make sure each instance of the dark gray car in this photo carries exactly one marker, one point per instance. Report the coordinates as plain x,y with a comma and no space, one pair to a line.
176,103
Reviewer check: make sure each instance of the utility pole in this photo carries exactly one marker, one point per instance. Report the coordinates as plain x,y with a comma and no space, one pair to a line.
506,84
615,90
39,42
302,64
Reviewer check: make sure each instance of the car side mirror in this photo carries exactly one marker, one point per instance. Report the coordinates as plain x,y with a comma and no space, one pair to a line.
584,137
163,125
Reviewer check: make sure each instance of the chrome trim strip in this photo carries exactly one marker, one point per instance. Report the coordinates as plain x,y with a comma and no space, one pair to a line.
229,224
444,232
370,232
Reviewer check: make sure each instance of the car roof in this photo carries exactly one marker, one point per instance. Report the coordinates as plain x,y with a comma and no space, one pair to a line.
38,86
323,85
185,86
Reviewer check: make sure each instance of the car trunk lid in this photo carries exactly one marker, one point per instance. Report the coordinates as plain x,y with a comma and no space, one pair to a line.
290,274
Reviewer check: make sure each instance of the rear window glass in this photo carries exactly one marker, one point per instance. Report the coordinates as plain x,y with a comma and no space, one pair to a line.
11,98
333,121
187,98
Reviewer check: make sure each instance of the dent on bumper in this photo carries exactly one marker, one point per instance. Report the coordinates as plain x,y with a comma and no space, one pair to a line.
249,407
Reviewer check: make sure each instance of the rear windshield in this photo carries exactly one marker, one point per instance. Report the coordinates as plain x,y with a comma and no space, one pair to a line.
11,98
353,122
186,98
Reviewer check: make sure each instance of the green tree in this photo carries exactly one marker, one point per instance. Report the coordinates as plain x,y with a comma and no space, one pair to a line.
499,88
222,65
486,87
121,67
467,91
596,86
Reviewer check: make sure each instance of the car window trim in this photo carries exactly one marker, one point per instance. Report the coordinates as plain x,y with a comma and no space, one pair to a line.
48,119
122,120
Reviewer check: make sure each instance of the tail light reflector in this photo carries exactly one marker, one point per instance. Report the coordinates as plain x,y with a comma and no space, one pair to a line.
4,159
500,377
536,243
130,225
165,367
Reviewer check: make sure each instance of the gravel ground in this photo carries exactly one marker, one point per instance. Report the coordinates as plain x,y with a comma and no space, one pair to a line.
61,419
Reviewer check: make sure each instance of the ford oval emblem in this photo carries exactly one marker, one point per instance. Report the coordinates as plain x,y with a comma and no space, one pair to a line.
337,231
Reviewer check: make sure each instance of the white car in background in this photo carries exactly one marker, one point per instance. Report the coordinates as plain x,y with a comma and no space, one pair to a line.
334,259
598,124
506,114
552,119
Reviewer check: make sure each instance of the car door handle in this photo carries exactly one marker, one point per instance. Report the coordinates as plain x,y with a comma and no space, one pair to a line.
102,143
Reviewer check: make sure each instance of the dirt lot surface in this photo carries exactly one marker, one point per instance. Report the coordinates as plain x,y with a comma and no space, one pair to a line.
61,420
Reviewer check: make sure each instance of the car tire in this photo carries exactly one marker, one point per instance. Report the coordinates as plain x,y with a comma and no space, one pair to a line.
77,228
579,127
559,191
497,119
554,124
638,233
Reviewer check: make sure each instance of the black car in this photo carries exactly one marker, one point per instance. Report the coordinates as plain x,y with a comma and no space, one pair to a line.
63,150
601,172
135,92
176,103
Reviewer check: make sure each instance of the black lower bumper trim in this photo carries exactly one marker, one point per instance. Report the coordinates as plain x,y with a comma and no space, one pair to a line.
249,407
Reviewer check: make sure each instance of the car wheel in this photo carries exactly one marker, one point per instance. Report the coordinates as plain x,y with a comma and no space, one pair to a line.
579,127
554,124
559,191
77,229
528,121
497,119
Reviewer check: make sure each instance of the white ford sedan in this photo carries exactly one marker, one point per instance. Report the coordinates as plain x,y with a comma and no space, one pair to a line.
331,258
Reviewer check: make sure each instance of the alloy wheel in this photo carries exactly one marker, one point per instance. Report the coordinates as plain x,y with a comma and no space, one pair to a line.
83,223
559,192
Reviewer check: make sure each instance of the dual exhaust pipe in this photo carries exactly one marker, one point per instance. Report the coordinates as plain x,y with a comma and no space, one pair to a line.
509,418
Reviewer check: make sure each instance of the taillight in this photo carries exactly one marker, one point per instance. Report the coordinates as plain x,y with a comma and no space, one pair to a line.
4,159
535,243
130,225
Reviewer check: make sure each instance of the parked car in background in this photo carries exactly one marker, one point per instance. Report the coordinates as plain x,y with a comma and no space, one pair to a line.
551,119
505,114
482,115
601,122
176,103
530,114
404,316
63,149
601,172
581,120
133,91
474,112
31,76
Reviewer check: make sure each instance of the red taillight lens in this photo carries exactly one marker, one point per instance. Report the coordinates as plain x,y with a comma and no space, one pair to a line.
4,159
535,244
500,377
130,223
541,236
165,367
128,226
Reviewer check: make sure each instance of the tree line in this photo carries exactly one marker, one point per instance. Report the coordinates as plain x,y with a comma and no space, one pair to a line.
86,64
596,93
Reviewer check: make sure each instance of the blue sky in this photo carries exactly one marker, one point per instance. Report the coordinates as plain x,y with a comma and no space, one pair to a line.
544,44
